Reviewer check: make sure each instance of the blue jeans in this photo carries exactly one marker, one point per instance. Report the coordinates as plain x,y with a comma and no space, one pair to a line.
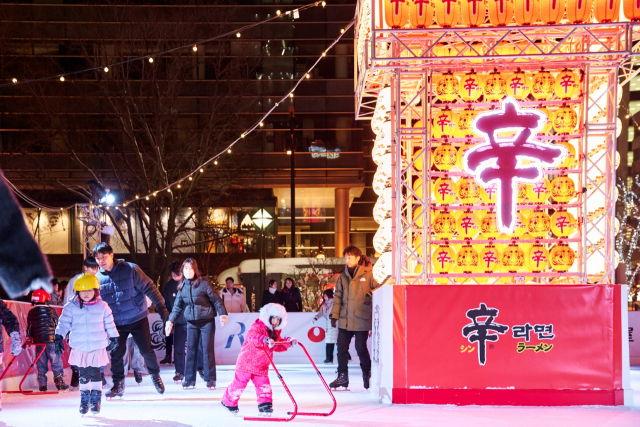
49,355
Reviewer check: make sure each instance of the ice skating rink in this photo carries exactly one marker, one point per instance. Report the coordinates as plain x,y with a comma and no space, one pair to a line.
142,406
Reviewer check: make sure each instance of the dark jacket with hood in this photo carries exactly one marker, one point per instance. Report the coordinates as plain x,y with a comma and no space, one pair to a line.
199,302
124,289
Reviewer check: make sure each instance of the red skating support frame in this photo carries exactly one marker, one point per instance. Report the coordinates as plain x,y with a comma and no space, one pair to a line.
27,343
295,405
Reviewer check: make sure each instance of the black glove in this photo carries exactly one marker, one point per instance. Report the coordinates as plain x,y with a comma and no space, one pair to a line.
334,323
113,344
164,314
59,344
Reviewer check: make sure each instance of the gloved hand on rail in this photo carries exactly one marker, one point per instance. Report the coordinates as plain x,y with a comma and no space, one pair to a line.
271,343
59,344
16,343
334,323
292,341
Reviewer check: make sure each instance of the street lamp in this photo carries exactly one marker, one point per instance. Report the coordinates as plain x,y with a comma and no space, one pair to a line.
262,219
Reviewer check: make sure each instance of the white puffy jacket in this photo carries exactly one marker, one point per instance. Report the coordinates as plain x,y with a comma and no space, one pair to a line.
233,302
91,326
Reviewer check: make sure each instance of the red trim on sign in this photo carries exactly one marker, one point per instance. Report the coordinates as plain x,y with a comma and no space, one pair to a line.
462,397
617,336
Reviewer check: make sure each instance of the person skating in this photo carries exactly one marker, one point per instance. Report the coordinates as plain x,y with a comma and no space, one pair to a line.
253,364
41,329
9,321
331,336
200,304
92,333
179,333
352,313
124,287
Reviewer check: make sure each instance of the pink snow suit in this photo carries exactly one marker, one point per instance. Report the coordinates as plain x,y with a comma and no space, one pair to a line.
253,363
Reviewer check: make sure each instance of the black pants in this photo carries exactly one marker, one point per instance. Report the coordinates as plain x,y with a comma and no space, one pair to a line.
179,343
194,335
142,337
344,340
168,342
330,348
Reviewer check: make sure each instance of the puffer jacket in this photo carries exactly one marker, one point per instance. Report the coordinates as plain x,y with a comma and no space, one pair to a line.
9,321
331,336
352,299
292,299
41,324
198,300
252,358
91,326
124,289
233,302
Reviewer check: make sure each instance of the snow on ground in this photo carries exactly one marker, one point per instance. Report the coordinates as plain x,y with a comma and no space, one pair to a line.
142,407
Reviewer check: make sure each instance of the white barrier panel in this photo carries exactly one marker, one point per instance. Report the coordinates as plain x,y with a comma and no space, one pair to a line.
634,337
229,338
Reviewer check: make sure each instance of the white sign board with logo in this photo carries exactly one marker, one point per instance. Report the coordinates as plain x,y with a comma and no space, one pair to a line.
634,337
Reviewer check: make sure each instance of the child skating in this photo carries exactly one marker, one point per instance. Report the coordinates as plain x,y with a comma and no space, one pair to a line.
253,363
93,333
331,336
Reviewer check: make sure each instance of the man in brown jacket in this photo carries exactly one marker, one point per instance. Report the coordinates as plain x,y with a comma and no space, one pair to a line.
352,313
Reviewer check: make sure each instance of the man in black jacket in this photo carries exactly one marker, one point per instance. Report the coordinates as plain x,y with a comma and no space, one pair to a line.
178,338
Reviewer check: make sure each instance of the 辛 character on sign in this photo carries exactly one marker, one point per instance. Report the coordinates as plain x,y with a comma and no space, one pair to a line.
483,331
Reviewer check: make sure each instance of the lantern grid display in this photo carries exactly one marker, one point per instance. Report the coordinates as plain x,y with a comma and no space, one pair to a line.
409,62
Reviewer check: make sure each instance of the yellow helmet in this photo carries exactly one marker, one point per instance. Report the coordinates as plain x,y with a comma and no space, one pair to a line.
86,282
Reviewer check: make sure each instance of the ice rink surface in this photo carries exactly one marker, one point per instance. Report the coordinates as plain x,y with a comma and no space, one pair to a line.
142,406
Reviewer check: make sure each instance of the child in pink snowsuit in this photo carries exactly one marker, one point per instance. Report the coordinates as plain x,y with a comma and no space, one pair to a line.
253,363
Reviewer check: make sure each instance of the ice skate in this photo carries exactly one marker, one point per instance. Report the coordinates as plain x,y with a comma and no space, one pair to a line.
85,397
138,376
211,385
60,384
188,384
366,377
178,378
95,401
75,379
157,382
42,388
265,409
233,409
328,362
116,391
341,383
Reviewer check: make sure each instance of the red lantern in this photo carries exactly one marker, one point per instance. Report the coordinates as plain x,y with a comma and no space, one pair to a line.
396,13
579,11
631,10
526,11
421,13
500,12
551,11
606,10
447,13
473,12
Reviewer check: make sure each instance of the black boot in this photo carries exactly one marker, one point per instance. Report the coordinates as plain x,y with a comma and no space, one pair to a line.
60,384
75,378
85,396
138,376
366,376
178,378
211,385
341,381
42,388
232,409
96,401
157,382
166,360
265,409
116,391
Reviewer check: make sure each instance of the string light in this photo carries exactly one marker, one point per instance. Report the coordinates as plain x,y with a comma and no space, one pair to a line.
151,60
215,162
308,75
106,69
154,193
14,80
137,197
342,31
291,95
229,151
278,12
61,78
201,170
195,48
147,197
190,179
179,186
238,35
324,3
261,124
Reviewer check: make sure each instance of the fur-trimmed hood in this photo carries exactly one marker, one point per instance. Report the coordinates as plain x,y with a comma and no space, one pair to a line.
273,310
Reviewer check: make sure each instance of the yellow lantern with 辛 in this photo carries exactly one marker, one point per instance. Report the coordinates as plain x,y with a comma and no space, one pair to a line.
561,257
538,258
548,124
563,189
472,12
579,11
420,13
461,152
489,225
539,192
488,194
471,86
447,13
526,12
570,160
567,85
467,260
551,11
444,157
489,259
606,10
565,120
518,85
468,225
444,191
500,12
443,259
495,87
444,123
563,224
631,10
468,190
538,224
543,85
512,259
464,123
396,13
444,225
446,87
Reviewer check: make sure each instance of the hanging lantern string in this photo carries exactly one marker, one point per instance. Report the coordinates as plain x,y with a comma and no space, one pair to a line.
252,128
149,57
